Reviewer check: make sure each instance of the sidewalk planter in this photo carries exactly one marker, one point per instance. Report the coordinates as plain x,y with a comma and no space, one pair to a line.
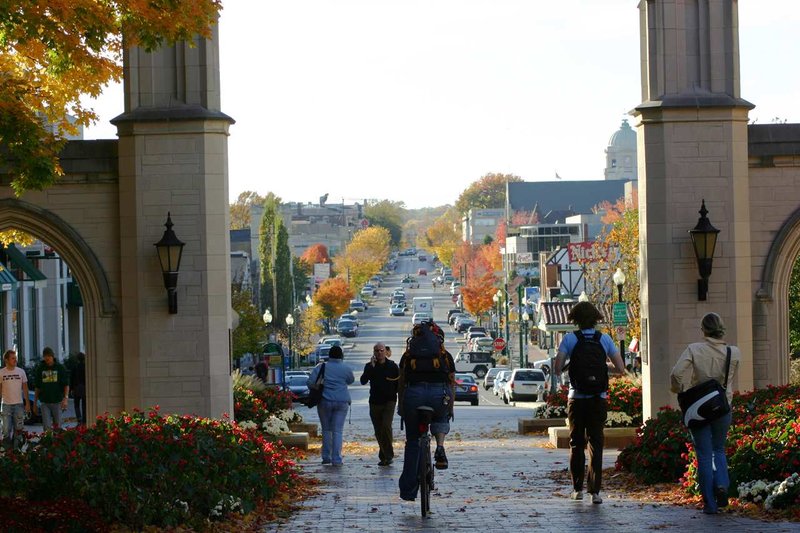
615,438
304,427
292,440
535,425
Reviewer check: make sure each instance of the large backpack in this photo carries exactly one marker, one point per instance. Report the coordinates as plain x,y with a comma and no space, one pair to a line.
425,352
588,371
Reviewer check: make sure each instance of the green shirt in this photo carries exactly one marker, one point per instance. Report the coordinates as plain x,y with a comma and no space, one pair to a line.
50,382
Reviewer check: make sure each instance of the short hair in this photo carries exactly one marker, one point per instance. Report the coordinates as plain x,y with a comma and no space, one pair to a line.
713,326
336,353
584,315
48,351
8,353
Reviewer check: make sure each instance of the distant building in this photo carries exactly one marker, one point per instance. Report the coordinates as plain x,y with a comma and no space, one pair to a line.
621,155
522,249
477,224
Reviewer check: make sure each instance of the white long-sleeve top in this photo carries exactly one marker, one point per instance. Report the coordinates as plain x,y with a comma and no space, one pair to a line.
702,361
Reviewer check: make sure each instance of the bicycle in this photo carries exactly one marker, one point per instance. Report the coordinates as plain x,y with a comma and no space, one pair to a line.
425,465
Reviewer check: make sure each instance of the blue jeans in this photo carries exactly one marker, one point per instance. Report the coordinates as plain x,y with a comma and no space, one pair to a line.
51,416
416,395
13,417
331,418
712,465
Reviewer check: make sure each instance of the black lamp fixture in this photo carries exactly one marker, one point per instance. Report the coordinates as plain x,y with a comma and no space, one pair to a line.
704,240
170,250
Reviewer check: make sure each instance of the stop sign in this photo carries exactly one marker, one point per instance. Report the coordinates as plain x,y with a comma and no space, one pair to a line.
364,223
455,299
499,343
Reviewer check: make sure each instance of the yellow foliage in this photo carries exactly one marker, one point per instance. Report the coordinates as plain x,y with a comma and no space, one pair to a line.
364,256
444,236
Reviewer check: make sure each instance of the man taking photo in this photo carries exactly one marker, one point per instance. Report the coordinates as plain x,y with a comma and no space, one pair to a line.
382,375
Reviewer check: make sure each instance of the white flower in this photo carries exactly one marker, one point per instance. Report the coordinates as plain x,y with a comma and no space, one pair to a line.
618,419
248,425
275,426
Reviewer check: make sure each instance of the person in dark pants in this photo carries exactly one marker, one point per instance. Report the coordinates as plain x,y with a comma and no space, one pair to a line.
77,384
586,411
382,375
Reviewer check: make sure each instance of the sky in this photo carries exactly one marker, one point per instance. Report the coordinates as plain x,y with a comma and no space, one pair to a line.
413,100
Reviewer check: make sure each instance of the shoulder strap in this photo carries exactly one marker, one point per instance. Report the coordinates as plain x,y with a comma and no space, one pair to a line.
597,336
321,373
727,367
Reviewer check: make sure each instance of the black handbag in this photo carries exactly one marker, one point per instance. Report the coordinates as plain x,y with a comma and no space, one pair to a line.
315,391
705,401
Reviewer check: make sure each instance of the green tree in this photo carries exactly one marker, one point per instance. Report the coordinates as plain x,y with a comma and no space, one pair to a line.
794,311
486,193
302,277
274,258
389,215
249,334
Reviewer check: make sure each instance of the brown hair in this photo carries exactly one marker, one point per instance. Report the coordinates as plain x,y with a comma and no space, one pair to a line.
584,315
8,354
713,326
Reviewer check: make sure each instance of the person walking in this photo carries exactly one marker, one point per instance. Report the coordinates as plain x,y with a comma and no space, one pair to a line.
52,389
382,376
700,362
585,352
14,392
332,409
77,384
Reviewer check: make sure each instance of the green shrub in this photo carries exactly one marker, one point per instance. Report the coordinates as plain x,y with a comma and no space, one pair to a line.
659,451
144,469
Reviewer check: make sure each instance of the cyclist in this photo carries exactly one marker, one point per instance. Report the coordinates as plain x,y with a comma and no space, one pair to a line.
427,377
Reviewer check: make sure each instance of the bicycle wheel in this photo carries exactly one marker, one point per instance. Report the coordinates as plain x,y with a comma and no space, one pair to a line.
424,485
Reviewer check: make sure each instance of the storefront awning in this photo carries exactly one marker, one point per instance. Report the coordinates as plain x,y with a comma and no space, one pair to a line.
31,272
553,316
7,280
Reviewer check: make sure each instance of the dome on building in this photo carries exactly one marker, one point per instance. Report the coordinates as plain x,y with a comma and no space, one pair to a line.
624,137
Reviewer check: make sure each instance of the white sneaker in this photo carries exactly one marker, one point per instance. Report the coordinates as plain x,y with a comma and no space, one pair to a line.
576,495
596,498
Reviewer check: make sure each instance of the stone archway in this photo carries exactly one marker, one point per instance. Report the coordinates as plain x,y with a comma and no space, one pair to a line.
101,317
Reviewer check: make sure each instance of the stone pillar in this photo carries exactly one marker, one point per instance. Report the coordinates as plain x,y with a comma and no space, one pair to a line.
692,140
173,158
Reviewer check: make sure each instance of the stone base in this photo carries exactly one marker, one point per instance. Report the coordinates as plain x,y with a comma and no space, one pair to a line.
533,425
292,440
304,427
616,438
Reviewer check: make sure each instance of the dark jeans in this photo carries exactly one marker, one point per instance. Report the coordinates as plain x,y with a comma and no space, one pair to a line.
80,409
416,395
587,418
382,415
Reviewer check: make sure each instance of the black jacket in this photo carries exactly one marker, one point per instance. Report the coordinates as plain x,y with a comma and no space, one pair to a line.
383,379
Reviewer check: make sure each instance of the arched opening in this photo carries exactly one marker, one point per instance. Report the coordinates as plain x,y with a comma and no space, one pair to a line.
73,313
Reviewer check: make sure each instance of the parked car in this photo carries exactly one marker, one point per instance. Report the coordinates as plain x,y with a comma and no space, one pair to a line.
327,338
488,379
410,282
296,384
398,309
376,281
455,288
525,384
347,328
368,291
455,316
305,373
477,329
418,318
466,389
451,312
358,305
477,363
463,323
499,381
319,354
482,344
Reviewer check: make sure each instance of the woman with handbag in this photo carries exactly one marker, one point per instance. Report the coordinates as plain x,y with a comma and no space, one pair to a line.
699,363
333,406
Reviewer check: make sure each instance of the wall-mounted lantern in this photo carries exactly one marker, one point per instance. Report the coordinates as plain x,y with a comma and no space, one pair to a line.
704,240
169,250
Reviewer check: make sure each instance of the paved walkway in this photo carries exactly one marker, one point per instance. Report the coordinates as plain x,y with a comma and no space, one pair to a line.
497,481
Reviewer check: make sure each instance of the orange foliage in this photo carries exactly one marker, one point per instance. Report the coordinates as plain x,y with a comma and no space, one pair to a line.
524,218
333,297
316,253
477,293
500,234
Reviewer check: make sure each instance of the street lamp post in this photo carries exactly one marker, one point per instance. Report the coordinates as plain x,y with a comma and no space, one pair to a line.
519,315
508,334
619,281
289,324
496,300
525,318
267,317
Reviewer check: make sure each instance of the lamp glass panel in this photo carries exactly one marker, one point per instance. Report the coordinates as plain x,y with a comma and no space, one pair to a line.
175,252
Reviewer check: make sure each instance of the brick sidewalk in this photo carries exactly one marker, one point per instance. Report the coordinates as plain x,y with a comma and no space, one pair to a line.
496,480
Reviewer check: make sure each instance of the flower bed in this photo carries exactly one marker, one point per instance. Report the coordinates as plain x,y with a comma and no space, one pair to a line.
624,403
143,469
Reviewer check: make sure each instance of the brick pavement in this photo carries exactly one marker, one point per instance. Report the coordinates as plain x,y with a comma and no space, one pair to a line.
497,480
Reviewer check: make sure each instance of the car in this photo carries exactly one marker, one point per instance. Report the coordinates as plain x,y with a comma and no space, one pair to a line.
463,323
455,288
368,291
477,363
477,329
422,258
469,336
447,277
499,381
398,309
347,328
466,389
456,316
488,379
305,373
319,354
334,342
482,344
410,282
358,305
326,338
376,281
418,318
348,316
296,384
422,272
524,384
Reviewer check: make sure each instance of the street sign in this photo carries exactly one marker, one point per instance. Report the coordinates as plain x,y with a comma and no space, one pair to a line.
499,344
364,223
621,332
455,298
620,314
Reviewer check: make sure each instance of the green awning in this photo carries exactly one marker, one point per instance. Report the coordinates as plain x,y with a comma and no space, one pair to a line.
7,280
31,272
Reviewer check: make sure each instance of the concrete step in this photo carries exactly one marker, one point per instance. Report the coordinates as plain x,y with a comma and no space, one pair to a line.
615,438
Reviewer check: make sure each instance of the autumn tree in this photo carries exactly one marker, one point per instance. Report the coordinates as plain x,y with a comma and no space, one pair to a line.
364,256
524,218
485,193
316,253
389,215
306,329
54,52
333,297
443,237
240,209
